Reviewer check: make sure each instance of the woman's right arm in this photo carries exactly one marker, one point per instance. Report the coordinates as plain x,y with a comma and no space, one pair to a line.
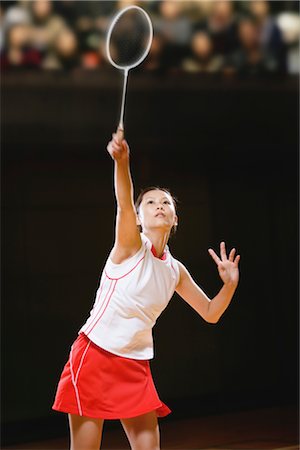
127,237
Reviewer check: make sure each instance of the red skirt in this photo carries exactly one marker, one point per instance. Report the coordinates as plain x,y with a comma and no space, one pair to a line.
99,384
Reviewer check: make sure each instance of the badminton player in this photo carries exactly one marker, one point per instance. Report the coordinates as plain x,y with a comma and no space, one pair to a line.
107,375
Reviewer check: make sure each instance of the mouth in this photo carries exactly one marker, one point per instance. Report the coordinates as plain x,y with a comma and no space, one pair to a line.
160,214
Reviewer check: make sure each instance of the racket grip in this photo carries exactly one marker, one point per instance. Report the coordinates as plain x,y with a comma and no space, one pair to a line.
120,134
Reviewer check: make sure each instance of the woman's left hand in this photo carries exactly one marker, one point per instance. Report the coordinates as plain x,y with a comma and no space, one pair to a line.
227,267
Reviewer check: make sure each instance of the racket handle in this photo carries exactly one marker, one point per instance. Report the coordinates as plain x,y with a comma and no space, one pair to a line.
120,134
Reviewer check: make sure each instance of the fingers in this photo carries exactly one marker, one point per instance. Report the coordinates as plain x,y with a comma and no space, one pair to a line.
223,251
125,145
237,260
231,255
214,256
116,141
120,134
114,146
232,258
120,145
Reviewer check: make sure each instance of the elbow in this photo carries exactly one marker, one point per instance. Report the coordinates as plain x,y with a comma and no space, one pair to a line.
211,316
212,319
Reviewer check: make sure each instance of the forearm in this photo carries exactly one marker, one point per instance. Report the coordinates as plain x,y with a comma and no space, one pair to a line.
220,302
123,184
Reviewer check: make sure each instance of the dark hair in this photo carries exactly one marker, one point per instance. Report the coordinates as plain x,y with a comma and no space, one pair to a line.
155,188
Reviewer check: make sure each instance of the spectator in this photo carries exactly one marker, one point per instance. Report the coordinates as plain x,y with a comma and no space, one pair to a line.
154,61
270,36
250,59
13,15
91,22
198,11
197,36
124,3
64,51
202,57
175,30
17,52
222,27
1,27
68,10
172,25
46,24
289,24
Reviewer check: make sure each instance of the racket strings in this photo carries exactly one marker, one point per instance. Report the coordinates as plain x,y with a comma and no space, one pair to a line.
129,39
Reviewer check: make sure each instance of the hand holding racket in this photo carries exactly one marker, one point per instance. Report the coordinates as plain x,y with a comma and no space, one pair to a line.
118,150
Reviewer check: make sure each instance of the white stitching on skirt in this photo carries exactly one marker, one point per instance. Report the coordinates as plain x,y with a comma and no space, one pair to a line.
75,379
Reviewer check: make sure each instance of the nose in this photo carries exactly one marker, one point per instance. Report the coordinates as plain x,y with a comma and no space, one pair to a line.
159,206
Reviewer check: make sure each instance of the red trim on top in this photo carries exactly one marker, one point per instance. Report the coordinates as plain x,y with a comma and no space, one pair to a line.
163,257
94,319
99,317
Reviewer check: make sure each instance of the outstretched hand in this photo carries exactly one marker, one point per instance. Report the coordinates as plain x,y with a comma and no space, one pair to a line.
118,150
227,267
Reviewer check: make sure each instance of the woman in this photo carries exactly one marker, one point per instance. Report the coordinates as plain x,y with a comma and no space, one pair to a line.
108,373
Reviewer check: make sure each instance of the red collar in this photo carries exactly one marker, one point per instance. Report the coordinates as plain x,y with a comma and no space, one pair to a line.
164,255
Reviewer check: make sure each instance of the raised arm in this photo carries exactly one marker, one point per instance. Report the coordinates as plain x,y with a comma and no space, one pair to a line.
211,310
127,237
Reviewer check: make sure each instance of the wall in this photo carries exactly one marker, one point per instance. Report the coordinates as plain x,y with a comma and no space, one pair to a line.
229,153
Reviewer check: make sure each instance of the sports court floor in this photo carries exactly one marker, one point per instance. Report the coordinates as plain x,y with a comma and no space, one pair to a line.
270,429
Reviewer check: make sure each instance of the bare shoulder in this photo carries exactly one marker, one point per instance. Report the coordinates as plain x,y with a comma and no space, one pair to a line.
119,253
183,273
183,270
127,238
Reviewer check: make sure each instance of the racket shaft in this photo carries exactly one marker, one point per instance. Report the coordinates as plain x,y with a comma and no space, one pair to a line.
121,123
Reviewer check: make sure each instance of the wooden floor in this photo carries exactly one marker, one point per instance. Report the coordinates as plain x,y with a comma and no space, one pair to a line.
274,428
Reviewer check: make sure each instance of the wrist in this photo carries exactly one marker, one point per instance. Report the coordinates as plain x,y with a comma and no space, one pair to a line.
122,162
230,285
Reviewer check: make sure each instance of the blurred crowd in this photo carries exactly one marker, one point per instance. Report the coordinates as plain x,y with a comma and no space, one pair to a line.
246,38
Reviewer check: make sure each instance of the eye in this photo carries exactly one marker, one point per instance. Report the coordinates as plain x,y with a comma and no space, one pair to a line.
149,201
167,201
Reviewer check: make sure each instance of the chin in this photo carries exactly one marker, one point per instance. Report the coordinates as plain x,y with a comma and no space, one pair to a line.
163,228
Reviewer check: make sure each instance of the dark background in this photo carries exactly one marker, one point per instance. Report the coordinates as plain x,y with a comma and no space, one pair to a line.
228,151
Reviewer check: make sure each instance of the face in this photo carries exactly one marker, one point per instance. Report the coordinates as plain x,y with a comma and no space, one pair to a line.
259,8
66,44
201,45
42,9
170,9
18,36
222,9
248,34
157,211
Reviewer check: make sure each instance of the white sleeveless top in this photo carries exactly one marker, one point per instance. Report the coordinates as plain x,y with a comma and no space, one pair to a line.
130,297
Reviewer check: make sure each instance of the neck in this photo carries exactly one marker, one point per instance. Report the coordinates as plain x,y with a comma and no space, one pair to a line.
159,240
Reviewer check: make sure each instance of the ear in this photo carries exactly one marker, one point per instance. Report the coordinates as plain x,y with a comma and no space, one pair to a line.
176,220
138,222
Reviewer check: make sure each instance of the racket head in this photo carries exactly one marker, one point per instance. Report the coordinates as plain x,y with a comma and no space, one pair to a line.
129,38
